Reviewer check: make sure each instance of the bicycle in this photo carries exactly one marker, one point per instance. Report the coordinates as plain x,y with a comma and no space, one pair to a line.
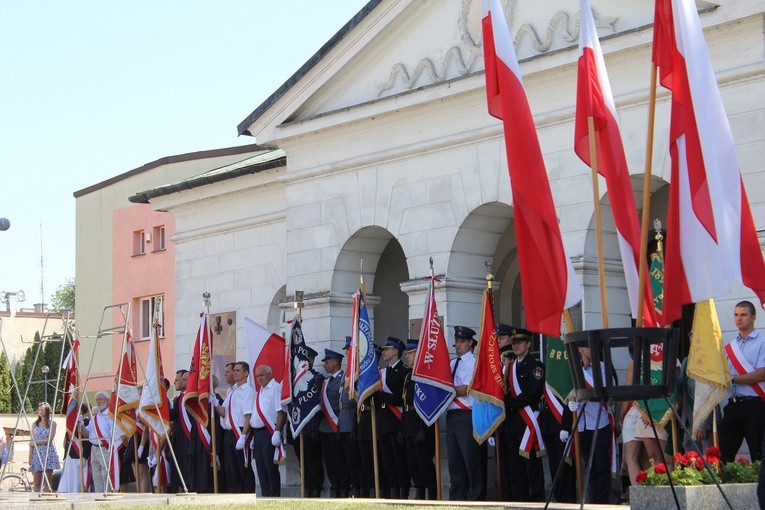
16,482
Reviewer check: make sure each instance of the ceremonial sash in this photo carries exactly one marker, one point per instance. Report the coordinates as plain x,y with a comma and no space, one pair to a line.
204,436
102,440
553,404
185,420
397,411
742,366
462,403
234,428
279,455
326,408
612,444
532,437
115,465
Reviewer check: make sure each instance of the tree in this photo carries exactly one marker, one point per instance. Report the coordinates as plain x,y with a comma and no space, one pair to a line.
41,384
5,385
63,297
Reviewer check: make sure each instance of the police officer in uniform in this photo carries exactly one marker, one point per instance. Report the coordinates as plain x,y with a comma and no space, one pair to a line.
392,457
334,460
364,438
525,473
419,439
347,429
314,469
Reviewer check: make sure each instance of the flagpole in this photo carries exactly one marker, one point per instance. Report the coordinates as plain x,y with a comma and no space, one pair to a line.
116,412
577,457
646,197
372,404
299,306
436,428
213,416
497,439
598,223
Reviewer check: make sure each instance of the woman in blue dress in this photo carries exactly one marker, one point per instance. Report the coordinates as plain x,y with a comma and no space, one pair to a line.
42,452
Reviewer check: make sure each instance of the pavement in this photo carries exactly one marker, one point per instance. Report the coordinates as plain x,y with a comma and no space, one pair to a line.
91,501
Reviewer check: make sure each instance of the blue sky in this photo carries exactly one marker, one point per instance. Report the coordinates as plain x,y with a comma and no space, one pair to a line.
92,89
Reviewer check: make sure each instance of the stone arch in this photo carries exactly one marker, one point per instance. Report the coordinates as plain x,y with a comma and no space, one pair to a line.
486,234
275,320
385,268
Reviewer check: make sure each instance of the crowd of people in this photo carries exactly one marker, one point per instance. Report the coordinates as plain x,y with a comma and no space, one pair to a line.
338,441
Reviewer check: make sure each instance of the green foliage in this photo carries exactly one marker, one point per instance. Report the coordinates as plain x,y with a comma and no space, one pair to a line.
63,297
5,385
741,471
38,385
690,470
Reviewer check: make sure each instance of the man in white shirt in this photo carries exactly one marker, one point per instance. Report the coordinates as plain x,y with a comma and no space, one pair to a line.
266,419
467,459
238,403
99,432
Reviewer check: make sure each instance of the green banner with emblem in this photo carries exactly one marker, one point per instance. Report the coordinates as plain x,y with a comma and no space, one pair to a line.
557,371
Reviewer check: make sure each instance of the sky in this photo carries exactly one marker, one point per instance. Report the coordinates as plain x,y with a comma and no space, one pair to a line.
92,89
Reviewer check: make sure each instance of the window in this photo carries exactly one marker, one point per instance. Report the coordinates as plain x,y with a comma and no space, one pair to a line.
159,238
139,242
152,307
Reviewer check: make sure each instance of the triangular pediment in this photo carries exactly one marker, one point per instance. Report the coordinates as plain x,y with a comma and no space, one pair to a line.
402,46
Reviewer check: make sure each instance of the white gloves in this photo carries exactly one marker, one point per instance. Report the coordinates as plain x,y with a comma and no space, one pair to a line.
276,438
213,400
240,442
564,435
573,406
140,451
152,461
492,442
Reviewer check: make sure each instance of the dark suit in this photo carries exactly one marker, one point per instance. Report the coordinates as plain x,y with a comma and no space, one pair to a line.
419,445
525,475
180,445
347,429
334,459
392,457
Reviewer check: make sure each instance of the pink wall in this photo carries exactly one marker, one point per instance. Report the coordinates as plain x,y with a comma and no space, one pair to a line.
138,276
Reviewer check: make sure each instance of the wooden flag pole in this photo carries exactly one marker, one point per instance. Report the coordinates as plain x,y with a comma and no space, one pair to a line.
374,448
577,457
211,414
646,198
598,222
302,464
437,431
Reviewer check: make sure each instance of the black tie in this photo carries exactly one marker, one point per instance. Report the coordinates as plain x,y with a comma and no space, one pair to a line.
456,364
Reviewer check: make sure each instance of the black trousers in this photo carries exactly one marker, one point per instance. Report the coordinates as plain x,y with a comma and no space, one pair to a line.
263,456
352,461
366,456
525,475
334,461
419,457
395,472
742,420
761,482
565,489
467,461
238,477
314,470
600,474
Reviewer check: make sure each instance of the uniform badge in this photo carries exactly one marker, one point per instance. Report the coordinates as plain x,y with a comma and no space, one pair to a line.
538,373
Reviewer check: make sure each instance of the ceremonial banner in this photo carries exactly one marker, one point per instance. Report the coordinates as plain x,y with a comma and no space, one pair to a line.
707,362
368,380
656,276
434,386
125,398
595,100
487,387
266,348
549,282
155,406
69,405
558,382
711,237
306,393
198,388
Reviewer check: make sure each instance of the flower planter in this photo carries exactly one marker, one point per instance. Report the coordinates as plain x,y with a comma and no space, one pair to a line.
694,497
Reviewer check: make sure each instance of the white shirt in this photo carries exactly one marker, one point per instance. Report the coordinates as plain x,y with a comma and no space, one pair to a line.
462,377
240,402
105,424
270,403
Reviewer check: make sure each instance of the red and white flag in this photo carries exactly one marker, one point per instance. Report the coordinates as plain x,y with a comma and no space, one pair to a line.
199,386
155,406
70,407
711,238
125,397
594,99
549,283
266,348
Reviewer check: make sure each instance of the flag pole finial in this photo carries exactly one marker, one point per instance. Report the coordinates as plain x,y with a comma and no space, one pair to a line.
659,237
206,301
299,304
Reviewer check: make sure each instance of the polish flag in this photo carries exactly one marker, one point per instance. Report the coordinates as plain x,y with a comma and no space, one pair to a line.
549,282
266,348
594,99
711,238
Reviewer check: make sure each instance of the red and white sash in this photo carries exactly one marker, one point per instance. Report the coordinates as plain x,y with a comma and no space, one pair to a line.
532,437
588,380
742,366
229,415
185,420
279,453
326,408
397,411
162,472
101,438
553,403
